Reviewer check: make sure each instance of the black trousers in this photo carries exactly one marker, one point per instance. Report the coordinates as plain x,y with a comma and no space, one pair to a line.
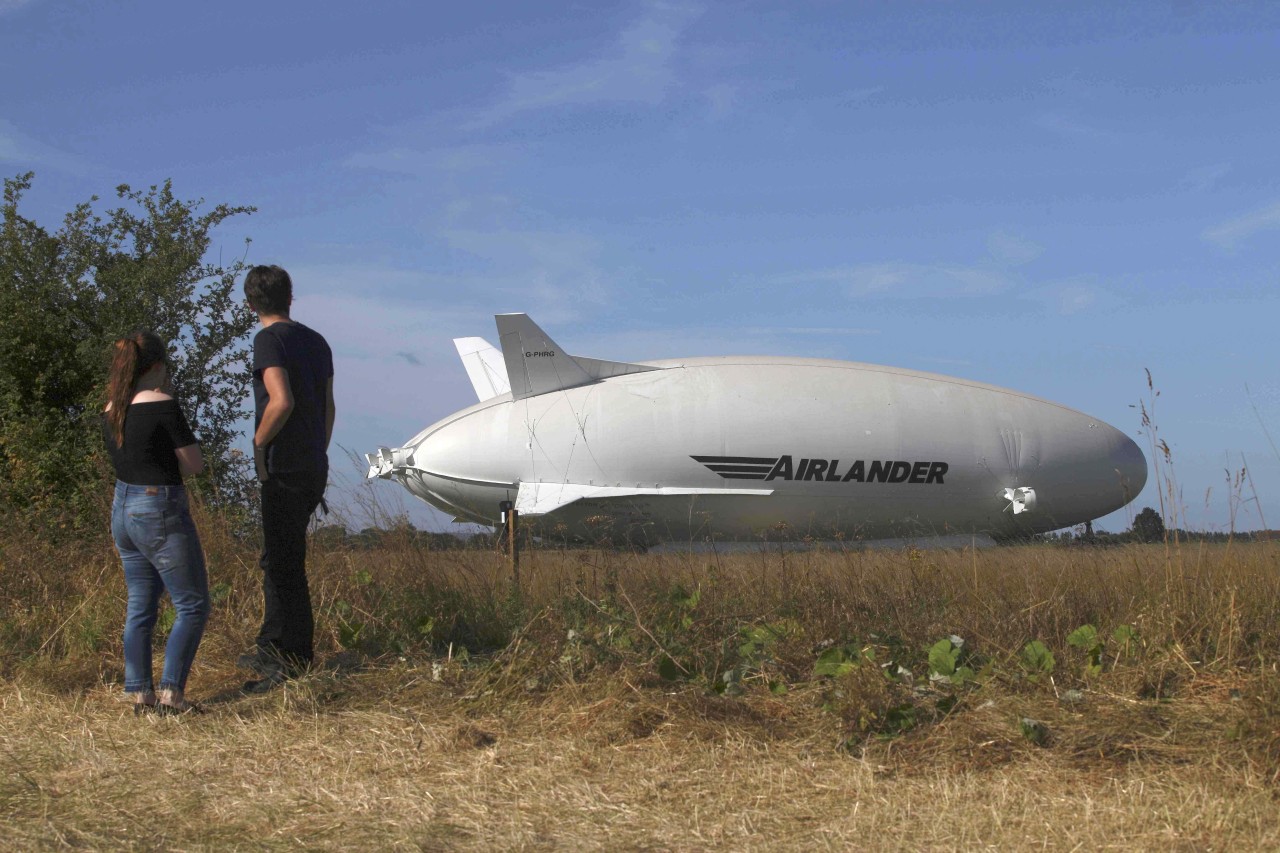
288,626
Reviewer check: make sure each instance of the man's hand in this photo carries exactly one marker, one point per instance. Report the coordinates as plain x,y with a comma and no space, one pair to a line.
260,462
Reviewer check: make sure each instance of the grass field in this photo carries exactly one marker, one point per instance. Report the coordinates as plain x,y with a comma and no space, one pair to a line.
1032,696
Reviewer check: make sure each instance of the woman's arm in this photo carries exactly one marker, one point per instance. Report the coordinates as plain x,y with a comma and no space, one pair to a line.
190,460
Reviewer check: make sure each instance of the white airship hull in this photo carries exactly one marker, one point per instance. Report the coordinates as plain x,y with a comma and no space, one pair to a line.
747,448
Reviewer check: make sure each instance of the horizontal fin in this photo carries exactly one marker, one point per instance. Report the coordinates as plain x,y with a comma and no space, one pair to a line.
599,369
543,498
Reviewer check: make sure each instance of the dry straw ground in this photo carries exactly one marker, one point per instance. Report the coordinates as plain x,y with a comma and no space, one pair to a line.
620,701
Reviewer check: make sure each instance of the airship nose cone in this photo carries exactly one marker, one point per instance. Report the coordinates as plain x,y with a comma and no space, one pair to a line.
1130,465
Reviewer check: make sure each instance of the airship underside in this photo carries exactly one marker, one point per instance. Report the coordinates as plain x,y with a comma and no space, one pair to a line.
744,448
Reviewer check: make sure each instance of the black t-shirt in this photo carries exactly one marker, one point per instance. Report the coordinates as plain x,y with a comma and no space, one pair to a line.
152,432
301,444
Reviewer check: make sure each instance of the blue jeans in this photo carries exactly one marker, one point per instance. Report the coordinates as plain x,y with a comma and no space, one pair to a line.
160,550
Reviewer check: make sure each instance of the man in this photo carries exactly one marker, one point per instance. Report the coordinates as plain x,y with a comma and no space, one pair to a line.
293,397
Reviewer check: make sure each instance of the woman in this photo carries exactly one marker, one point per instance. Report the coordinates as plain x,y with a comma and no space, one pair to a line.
152,448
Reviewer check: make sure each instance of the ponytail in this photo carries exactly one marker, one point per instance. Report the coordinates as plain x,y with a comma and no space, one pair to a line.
130,358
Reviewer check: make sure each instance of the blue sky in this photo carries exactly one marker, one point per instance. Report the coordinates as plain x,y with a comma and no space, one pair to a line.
1048,197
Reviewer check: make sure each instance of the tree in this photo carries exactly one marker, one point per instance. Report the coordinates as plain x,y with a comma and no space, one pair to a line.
64,297
1148,526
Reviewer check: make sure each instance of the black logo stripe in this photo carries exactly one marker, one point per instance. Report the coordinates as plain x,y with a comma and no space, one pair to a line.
739,467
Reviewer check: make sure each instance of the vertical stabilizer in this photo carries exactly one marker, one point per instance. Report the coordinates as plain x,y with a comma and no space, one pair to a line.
535,363
485,367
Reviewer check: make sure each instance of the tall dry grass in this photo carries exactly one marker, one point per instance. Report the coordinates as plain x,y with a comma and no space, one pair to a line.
617,700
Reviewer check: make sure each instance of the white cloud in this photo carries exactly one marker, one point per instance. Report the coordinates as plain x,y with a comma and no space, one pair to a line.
9,148
907,280
653,344
1072,296
1205,177
813,330
374,281
555,275
1011,250
1234,231
434,163
1067,126
17,147
860,96
553,272
1073,299
949,362
720,99
638,68
481,207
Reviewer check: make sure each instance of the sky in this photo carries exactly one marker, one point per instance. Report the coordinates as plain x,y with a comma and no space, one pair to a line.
1050,197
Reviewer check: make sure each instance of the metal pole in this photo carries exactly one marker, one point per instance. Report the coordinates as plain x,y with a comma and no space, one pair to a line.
513,542
512,521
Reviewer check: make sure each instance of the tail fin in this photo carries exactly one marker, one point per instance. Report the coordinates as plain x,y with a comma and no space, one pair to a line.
485,367
537,365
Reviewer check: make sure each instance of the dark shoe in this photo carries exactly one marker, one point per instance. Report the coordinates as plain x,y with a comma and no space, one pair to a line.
269,681
141,709
259,660
178,710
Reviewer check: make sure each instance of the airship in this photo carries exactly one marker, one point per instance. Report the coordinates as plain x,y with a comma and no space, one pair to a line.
754,448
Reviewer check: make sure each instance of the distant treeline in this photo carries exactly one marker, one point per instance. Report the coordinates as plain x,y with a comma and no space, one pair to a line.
1102,537
335,535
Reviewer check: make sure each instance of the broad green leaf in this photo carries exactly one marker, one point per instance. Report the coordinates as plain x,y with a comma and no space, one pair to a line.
943,656
1037,658
1126,636
833,663
1085,637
